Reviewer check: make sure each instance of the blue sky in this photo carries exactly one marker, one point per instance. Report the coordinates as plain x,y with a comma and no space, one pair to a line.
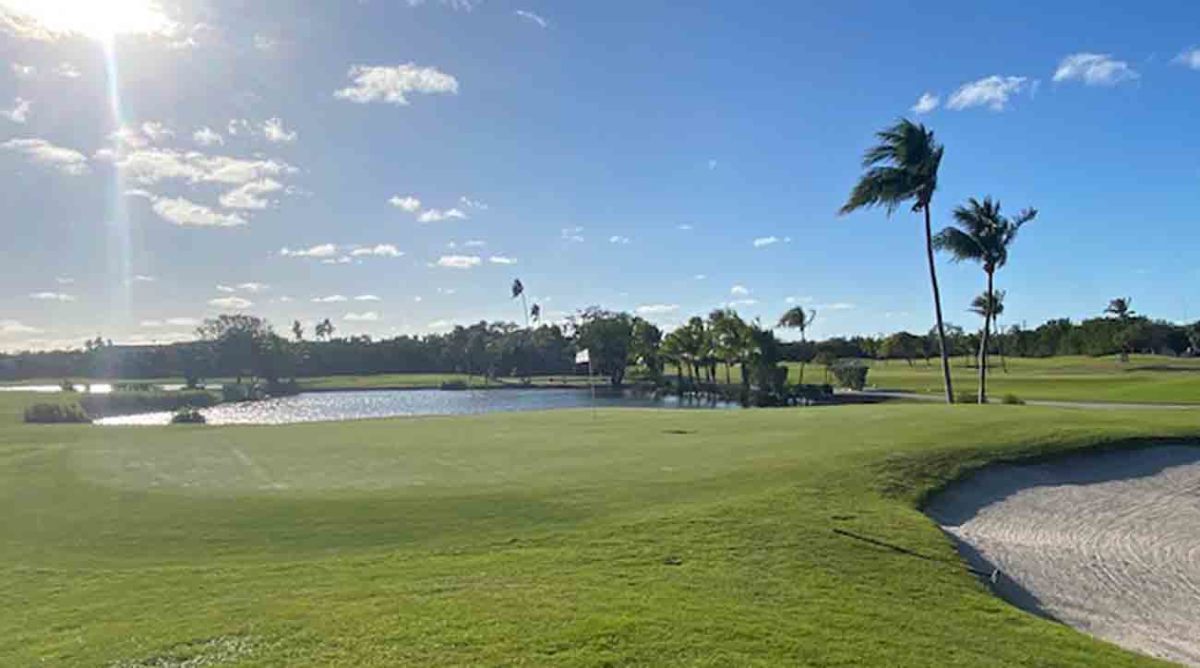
158,159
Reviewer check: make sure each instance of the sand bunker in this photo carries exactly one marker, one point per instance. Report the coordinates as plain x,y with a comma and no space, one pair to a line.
1108,543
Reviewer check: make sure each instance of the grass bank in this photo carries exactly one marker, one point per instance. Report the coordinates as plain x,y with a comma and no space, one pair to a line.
635,538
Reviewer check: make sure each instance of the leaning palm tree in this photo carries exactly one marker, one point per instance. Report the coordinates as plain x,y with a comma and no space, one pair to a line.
518,290
799,319
903,168
982,235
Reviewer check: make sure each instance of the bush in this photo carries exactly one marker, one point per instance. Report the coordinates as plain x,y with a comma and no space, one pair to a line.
1012,400
454,385
67,385
56,414
966,397
188,416
850,374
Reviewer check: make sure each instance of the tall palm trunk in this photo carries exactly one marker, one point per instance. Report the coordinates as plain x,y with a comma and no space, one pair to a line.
937,307
983,344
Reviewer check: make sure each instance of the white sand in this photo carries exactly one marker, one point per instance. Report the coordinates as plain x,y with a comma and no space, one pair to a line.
1108,543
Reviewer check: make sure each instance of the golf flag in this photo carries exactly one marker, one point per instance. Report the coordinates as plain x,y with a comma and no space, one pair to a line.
582,357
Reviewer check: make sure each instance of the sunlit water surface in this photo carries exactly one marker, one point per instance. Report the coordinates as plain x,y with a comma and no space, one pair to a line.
322,406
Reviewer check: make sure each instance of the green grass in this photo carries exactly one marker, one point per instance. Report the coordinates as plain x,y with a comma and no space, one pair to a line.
635,538
1143,379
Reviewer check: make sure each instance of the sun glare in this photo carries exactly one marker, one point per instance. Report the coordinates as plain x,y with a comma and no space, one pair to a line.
96,19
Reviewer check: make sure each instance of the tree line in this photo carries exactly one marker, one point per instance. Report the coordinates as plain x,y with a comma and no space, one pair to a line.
701,350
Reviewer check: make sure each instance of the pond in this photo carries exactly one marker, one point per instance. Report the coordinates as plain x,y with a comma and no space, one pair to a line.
322,406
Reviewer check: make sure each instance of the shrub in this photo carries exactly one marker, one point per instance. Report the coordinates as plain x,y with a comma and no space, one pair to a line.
454,385
966,397
67,385
188,416
56,414
1013,400
850,374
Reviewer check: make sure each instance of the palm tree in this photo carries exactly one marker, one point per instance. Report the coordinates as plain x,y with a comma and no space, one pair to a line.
991,308
297,330
1121,307
903,167
797,318
518,290
983,235
726,325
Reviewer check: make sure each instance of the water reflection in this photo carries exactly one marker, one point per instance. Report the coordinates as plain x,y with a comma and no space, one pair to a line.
321,406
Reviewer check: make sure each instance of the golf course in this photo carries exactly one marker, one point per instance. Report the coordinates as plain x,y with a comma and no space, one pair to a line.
628,537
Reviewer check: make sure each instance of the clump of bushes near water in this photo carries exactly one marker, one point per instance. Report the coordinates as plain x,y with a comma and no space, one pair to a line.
127,403
56,414
188,416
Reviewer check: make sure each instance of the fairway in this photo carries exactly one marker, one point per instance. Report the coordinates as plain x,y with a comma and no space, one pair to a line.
631,538
1143,379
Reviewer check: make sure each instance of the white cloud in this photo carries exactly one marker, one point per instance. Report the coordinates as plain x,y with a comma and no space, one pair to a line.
157,132
345,259
501,259
739,290
331,299
379,250
798,300
741,302
19,112
253,287
472,203
318,251
233,303
143,278
239,126
438,215
684,227
407,203
148,166
835,306
250,195
656,309
441,325
926,103
458,261
573,234
367,298
67,71
700,277
712,164
274,131
52,297
23,71
533,18
181,211
369,316
42,152
474,243
15,327
457,5
992,92
618,239
170,322
1094,69
206,136
64,280
766,241
226,289
1189,58
394,84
